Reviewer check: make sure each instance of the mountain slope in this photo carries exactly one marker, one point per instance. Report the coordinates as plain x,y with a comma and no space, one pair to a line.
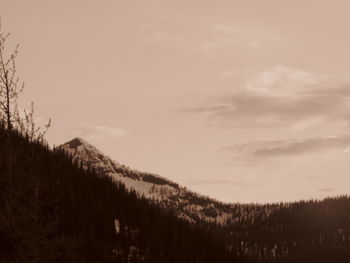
53,210
192,206
305,231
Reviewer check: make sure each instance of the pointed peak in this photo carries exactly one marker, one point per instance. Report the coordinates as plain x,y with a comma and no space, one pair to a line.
76,142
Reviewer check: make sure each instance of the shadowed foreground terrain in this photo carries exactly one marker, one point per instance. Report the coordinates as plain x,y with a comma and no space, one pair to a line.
54,210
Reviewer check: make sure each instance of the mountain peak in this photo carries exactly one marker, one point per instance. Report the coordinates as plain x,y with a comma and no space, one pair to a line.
76,142
149,185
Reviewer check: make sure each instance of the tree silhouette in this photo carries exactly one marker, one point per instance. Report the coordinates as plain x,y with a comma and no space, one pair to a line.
10,89
10,86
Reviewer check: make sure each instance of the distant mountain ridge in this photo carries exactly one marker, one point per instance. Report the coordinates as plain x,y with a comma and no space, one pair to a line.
191,206
81,213
304,231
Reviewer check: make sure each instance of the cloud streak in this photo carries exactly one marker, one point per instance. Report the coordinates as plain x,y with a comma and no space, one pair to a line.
289,147
281,96
226,39
237,181
90,131
327,190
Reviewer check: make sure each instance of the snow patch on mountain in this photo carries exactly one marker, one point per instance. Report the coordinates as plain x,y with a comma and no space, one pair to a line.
191,206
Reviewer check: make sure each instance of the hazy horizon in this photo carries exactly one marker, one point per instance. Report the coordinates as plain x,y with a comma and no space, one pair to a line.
243,101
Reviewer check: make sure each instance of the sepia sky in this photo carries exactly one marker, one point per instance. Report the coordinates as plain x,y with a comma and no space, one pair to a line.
243,101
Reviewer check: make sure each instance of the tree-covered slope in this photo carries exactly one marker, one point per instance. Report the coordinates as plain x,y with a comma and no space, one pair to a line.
52,210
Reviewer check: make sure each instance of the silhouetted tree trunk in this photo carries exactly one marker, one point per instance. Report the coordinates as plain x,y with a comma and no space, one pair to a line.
10,89
13,121
10,86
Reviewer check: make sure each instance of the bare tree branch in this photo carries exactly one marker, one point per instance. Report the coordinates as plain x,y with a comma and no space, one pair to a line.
10,90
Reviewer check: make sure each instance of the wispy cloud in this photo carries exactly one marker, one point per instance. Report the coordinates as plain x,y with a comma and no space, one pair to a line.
215,40
289,147
281,80
244,35
91,131
327,190
227,39
281,96
235,181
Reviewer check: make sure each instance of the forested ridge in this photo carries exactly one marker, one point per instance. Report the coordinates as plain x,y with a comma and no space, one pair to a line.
304,231
61,212
280,232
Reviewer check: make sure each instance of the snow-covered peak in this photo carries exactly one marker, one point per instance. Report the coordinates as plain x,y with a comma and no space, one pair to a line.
76,142
154,187
87,154
81,145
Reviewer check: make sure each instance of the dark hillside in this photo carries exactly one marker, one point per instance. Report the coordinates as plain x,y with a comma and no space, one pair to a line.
55,211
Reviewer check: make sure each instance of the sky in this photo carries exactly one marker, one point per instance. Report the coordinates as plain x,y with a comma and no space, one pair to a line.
243,101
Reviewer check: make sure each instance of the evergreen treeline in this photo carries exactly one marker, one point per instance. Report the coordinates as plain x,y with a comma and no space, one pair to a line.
55,211
305,231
